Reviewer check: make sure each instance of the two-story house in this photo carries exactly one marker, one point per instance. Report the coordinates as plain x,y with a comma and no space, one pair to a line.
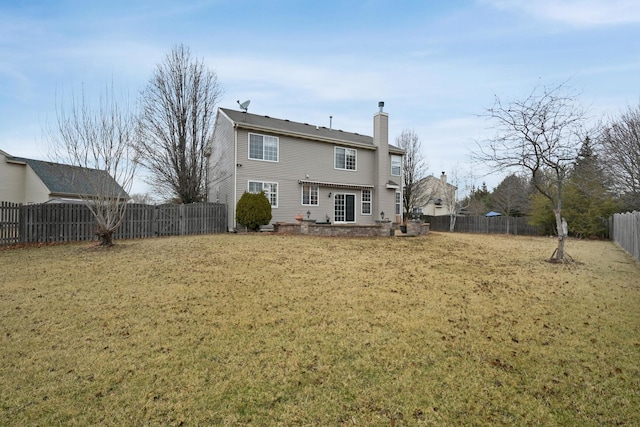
435,196
319,172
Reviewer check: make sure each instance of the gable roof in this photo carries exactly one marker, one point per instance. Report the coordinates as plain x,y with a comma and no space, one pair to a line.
68,180
431,180
305,130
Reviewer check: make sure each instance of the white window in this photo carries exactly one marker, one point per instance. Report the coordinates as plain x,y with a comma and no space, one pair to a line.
366,202
345,158
270,190
396,165
310,195
263,147
398,203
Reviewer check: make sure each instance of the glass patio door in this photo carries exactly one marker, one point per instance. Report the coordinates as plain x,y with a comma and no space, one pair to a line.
344,207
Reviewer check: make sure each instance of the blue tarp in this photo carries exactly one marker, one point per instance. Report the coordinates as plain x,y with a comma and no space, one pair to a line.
492,213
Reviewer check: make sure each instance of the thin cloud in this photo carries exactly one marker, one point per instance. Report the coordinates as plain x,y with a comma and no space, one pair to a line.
577,13
314,79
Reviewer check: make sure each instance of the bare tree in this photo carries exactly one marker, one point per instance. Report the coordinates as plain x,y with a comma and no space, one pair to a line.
540,135
620,148
413,169
455,194
178,113
98,142
511,196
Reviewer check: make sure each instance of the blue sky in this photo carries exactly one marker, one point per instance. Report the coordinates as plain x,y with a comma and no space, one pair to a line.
436,64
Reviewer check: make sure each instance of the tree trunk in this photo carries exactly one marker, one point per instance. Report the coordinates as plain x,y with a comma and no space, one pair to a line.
105,237
559,253
452,223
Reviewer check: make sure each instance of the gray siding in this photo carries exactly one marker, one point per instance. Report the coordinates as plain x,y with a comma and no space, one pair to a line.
222,167
301,159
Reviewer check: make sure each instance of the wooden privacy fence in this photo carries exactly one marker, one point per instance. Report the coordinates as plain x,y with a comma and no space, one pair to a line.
483,224
626,232
62,222
9,223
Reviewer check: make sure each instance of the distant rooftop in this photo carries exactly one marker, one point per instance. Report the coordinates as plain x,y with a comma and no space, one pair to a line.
63,179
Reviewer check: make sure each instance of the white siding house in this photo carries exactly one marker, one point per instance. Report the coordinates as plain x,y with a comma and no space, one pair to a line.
438,197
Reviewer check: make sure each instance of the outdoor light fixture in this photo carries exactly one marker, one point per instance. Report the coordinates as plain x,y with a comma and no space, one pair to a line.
329,193
382,214
308,214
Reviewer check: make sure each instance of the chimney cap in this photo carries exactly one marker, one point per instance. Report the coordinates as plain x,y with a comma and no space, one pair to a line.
381,105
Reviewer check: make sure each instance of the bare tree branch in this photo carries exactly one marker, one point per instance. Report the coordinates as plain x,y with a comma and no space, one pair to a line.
540,135
414,168
620,149
99,142
178,114
455,191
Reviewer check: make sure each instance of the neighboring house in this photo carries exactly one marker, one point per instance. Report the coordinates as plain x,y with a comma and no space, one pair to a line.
29,181
437,195
304,169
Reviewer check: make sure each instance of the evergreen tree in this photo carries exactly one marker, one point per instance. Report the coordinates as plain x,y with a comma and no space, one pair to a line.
588,201
479,200
542,214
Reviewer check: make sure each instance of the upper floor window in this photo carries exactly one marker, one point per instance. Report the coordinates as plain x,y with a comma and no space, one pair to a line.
396,165
270,190
345,158
310,194
263,147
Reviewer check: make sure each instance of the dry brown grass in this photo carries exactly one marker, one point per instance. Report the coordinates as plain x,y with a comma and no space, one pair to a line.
448,329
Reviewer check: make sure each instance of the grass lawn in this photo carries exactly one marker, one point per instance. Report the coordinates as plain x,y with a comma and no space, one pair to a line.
262,329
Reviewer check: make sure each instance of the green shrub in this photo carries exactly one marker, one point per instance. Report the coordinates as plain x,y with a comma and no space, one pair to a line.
253,210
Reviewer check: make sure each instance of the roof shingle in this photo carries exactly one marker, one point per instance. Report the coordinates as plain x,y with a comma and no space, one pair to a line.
69,180
304,129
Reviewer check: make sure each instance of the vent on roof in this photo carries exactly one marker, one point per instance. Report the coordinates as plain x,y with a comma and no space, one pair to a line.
267,117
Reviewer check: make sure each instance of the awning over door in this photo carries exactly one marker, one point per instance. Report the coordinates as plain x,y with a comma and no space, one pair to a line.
335,184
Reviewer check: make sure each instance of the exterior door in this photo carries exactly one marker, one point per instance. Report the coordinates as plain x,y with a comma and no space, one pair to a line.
344,207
